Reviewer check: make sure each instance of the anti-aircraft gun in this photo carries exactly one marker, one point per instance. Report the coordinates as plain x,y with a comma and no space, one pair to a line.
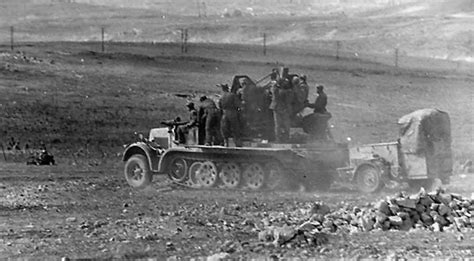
306,159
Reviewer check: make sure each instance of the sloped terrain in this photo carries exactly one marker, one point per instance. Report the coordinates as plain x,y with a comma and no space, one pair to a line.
440,29
73,97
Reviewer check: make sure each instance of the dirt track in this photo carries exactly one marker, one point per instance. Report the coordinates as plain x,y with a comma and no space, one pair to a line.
65,211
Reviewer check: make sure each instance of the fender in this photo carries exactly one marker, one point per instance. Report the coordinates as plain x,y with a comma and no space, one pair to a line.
142,148
168,155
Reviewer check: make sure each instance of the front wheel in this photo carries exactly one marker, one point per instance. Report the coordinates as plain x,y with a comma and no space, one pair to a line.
137,171
368,178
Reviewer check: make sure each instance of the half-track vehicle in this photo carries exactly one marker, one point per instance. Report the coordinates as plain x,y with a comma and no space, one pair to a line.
310,158
421,155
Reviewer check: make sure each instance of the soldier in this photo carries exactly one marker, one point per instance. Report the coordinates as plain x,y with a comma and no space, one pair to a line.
282,99
230,105
210,117
317,123
193,122
321,101
301,89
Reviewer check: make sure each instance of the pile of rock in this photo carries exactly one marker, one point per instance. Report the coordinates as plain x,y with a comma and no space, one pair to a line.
435,211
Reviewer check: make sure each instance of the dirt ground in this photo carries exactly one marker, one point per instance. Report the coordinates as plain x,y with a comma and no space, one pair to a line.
85,105
66,211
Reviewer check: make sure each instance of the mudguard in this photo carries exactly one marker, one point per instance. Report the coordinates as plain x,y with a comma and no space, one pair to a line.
152,154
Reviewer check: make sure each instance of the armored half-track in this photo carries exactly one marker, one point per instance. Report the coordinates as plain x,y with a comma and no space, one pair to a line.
310,158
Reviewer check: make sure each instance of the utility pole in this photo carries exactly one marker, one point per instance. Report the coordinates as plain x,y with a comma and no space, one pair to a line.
396,57
198,4
12,29
204,7
182,40
186,40
264,44
103,39
338,47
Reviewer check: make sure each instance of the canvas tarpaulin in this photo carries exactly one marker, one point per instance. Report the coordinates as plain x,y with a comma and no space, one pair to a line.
425,138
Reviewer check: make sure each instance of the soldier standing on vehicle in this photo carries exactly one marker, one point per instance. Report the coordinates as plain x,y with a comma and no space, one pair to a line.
210,116
230,104
193,122
301,89
282,99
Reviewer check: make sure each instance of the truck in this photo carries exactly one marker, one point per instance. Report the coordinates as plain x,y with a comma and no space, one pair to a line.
420,156
309,159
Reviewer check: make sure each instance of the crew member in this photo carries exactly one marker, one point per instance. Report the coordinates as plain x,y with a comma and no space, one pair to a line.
319,105
210,116
193,122
317,123
301,89
282,99
230,105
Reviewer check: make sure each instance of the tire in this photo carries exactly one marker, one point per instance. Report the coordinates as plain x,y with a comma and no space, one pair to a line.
368,178
178,170
137,171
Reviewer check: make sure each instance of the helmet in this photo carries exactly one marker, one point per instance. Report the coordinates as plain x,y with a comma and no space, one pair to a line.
190,104
295,80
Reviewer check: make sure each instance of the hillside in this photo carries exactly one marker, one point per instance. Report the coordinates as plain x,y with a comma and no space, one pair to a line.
439,29
77,99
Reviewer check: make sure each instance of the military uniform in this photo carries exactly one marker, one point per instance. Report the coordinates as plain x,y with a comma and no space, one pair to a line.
193,122
210,117
301,91
230,105
282,99
321,102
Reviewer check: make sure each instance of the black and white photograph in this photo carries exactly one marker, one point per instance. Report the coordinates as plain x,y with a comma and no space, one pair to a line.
236,130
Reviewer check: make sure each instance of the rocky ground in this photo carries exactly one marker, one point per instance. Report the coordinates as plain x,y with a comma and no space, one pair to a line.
78,212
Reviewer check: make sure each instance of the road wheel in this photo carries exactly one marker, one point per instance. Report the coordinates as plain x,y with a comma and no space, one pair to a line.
275,177
178,170
207,174
254,176
137,171
368,178
230,175
193,173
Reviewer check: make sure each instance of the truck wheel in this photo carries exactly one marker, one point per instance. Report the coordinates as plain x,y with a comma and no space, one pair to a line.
368,178
178,170
137,172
